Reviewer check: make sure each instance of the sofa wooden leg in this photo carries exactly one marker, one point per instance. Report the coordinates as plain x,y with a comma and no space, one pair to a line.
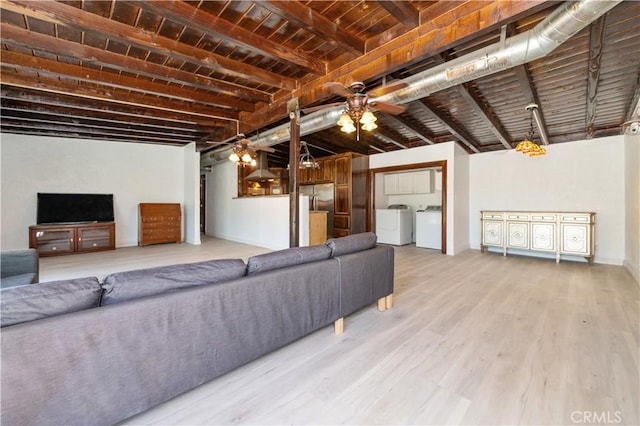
389,301
338,326
382,304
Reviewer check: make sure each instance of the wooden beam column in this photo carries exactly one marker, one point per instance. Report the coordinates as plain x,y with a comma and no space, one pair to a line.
294,149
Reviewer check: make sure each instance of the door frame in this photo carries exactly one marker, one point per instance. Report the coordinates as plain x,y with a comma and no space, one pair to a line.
371,178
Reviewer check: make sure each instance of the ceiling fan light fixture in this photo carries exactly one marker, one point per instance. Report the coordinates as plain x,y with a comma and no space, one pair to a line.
243,155
368,118
345,120
369,126
246,157
348,127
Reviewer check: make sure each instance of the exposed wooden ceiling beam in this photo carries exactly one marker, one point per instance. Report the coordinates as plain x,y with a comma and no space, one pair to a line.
308,19
455,129
403,11
596,43
485,114
428,39
24,100
75,135
185,14
16,36
52,85
483,111
63,70
530,94
388,137
110,125
92,131
72,17
634,106
412,127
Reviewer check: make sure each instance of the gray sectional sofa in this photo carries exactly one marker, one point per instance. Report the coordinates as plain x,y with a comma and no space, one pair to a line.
85,352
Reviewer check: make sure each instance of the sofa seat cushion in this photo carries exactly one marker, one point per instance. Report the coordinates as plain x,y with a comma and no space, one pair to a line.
287,257
352,243
34,301
123,286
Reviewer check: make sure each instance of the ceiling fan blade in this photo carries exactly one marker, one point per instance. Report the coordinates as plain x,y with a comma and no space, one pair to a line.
383,90
230,140
387,108
338,89
320,107
263,148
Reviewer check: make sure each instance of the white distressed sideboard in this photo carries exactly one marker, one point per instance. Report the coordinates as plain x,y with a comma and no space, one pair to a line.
568,233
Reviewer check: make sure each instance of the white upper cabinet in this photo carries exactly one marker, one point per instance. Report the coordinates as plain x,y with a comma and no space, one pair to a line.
420,182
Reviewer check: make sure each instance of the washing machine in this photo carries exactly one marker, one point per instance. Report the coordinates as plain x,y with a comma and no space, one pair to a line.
429,228
394,225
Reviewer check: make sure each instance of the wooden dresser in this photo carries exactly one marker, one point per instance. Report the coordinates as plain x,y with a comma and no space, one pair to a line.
558,233
159,223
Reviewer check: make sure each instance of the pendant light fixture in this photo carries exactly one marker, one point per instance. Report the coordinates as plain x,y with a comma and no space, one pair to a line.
527,146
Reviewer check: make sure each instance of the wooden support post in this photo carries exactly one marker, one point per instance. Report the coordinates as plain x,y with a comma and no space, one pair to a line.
294,149
338,326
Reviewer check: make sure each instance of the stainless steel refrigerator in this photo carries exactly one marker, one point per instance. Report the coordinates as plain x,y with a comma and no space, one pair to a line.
321,198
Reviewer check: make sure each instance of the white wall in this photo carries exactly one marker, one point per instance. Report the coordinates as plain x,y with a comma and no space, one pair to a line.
576,176
632,205
191,194
259,221
133,172
443,151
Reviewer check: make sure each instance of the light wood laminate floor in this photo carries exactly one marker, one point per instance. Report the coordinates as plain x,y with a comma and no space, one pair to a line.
472,339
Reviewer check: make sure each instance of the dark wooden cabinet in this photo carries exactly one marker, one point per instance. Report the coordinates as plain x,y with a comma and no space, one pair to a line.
55,240
343,169
326,168
350,192
159,223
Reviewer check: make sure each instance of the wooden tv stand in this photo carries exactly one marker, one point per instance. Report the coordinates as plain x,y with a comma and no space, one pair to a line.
59,239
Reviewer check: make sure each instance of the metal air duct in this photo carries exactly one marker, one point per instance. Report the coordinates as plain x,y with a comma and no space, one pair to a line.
536,43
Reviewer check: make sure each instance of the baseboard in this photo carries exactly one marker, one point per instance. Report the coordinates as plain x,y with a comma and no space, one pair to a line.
633,271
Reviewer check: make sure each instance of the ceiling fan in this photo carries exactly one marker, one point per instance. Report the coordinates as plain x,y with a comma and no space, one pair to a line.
359,105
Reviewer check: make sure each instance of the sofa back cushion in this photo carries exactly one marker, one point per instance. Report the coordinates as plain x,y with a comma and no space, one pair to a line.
287,257
123,286
352,243
34,301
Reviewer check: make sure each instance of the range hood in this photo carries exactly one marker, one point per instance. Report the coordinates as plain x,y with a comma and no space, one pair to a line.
262,173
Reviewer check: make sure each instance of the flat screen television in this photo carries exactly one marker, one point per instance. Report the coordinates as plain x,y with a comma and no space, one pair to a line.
74,208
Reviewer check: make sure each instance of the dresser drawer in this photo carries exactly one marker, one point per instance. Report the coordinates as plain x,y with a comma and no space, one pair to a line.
580,218
517,216
542,217
492,215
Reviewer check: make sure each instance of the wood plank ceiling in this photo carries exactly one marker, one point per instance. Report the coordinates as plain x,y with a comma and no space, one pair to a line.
176,72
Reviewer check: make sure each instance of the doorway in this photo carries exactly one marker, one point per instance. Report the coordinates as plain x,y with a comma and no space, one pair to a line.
441,165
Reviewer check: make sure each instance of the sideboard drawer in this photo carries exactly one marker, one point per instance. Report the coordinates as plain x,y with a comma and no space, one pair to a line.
544,217
517,216
575,218
492,215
